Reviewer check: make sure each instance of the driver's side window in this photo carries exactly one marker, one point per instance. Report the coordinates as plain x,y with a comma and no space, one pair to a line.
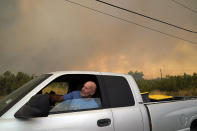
69,87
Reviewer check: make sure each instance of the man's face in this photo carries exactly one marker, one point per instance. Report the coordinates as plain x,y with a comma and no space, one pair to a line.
88,90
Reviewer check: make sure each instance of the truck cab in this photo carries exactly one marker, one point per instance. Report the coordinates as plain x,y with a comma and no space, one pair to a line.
119,106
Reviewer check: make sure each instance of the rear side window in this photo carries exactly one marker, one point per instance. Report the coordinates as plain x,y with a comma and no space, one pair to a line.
118,91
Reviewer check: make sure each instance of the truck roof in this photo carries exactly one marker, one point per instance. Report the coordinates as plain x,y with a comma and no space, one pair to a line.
84,72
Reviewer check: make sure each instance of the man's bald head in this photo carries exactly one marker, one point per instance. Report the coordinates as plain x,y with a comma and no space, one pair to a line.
89,89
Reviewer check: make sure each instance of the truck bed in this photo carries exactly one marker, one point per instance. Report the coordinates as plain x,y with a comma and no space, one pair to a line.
175,114
157,98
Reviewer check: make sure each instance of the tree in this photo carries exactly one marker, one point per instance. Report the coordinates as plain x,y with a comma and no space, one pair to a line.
137,75
10,82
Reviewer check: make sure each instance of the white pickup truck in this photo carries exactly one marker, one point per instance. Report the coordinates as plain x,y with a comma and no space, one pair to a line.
121,106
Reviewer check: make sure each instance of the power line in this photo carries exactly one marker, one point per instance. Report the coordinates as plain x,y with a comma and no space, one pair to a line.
184,6
147,17
128,21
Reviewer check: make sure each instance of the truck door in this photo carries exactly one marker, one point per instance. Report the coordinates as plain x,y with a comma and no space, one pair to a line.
95,119
126,113
73,121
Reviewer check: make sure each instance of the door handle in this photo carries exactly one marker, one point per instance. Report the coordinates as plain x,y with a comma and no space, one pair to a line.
103,122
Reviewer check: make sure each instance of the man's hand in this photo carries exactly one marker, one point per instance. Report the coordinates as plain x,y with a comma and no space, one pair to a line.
56,98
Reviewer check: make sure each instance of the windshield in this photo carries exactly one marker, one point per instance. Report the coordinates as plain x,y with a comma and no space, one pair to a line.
15,96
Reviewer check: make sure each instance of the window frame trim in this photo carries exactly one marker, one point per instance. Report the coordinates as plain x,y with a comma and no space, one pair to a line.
102,93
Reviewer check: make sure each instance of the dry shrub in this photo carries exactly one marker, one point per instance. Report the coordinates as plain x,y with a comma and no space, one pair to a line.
188,92
1,97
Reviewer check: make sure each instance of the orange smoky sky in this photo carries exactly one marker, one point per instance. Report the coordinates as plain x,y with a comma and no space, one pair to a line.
45,36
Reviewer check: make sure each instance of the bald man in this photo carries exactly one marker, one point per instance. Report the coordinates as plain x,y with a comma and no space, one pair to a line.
87,91
78,99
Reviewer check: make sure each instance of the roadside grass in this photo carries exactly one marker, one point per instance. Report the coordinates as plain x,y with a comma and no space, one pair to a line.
188,92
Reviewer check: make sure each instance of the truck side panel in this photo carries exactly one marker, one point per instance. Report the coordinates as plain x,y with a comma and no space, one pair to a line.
127,119
173,116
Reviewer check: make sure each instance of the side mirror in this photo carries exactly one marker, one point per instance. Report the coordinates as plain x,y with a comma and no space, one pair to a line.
37,106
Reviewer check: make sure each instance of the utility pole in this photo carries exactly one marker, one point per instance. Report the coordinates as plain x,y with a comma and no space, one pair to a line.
161,73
